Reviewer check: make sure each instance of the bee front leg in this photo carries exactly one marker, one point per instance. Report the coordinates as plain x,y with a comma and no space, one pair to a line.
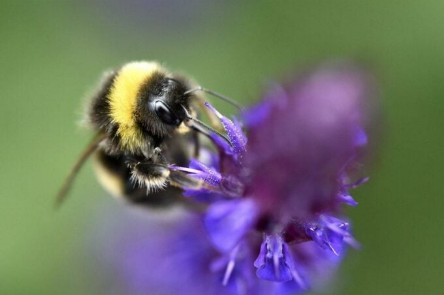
178,178
149,172
151,175
155,174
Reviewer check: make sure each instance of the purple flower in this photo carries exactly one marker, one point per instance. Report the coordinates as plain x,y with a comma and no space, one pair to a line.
331,233
229,221
275,261
273,223
162,255
289,180
143,254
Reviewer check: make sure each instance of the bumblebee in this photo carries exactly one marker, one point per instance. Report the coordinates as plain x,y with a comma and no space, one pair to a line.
144,118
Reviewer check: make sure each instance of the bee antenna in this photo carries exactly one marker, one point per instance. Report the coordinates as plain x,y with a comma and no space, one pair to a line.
204,128
218,95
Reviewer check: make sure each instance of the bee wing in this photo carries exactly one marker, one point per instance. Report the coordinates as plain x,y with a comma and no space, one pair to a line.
92,146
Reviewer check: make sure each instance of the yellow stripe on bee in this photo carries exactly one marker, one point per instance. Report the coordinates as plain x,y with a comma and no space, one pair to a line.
123,100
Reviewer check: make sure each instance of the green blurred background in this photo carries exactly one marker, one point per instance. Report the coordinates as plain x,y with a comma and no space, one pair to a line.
52,53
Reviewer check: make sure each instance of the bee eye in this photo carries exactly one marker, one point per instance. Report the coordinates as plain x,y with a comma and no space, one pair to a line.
165,114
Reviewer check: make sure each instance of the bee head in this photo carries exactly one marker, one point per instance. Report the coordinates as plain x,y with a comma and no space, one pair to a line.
166,100
161,104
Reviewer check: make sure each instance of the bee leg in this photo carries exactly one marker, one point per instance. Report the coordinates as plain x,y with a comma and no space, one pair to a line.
153,176
157,156
177,178
184,181
158,176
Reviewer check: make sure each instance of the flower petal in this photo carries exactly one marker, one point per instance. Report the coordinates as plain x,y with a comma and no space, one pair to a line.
234,132
275,262
228,221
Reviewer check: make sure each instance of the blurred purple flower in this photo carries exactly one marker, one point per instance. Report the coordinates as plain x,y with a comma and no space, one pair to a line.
273,224
168,255
288,180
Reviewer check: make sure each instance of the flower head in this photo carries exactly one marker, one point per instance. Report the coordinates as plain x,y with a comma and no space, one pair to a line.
288,180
